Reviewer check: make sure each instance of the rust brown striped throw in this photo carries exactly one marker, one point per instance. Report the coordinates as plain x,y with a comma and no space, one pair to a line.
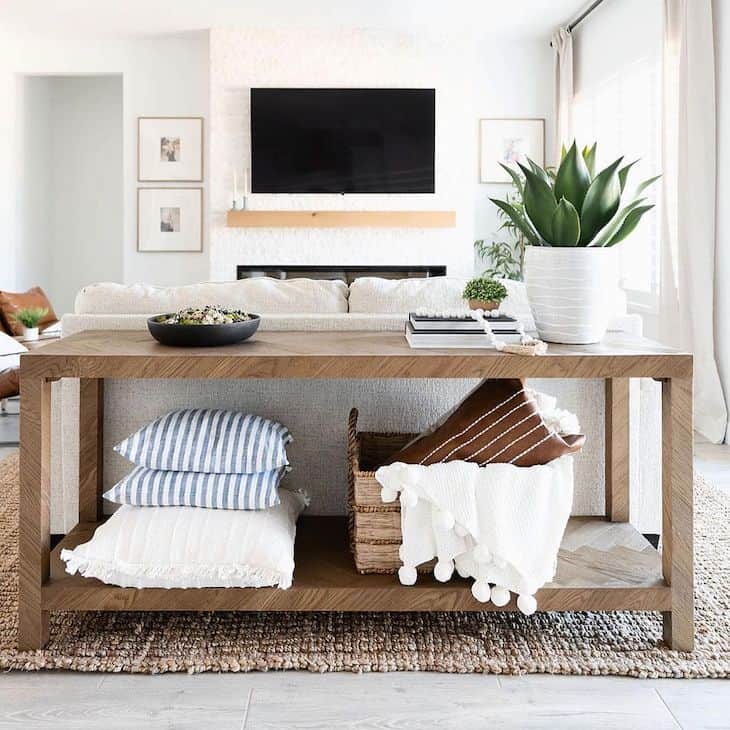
498,422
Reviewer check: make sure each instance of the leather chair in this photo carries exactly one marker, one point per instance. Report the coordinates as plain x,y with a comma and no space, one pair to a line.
9,386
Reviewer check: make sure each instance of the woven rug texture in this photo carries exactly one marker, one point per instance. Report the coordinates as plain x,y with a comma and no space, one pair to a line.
500,643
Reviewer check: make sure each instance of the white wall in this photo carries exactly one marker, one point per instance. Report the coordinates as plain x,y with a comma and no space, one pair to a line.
721,13
161,76
32,182
512,79
165,77
245,58
86,173
173,76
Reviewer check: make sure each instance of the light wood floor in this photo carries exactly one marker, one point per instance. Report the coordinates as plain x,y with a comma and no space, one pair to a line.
406,701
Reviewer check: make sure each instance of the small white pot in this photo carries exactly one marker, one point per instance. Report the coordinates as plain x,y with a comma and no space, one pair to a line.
30,334
571,291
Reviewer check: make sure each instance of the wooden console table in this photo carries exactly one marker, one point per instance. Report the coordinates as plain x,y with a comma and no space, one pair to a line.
604,563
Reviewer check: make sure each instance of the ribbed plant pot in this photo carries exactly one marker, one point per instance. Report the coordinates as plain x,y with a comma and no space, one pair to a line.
486,304
571,291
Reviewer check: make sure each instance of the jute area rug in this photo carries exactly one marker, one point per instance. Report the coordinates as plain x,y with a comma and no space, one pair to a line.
568,643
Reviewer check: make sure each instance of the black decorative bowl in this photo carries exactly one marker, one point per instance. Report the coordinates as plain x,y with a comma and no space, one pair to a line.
201,335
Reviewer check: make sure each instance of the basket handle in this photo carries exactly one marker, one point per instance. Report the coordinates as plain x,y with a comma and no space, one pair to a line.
352,435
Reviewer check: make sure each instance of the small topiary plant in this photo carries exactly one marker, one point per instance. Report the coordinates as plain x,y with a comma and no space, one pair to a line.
485,290
30,317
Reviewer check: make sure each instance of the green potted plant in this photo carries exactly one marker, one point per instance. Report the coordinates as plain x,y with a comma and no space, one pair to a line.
30,318
572,219
484,293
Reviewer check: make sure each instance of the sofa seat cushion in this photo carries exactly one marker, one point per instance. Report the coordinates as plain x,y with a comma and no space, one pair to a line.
10,352
73,323
261,296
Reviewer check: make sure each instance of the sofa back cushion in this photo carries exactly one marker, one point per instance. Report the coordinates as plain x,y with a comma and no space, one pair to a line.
12,302
373,295
261,295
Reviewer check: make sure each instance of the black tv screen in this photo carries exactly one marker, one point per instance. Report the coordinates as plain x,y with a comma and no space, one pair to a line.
342,140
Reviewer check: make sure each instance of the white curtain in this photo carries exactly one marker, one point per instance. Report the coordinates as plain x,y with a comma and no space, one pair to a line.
688,240
562,43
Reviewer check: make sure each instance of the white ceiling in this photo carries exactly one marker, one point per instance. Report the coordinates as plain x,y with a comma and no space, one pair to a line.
125,18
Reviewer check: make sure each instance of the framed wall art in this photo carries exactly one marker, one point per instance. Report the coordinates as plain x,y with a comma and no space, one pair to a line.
170,149
169,219
508,141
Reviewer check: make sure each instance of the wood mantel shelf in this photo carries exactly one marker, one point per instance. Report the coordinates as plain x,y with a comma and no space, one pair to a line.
341,219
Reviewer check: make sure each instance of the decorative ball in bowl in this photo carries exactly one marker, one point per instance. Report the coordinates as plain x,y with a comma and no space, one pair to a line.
203,327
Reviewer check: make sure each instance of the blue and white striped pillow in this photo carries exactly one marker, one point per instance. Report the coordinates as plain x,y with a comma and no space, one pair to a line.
211,441
154,488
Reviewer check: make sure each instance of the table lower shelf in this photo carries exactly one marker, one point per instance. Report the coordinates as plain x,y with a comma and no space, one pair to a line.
602,566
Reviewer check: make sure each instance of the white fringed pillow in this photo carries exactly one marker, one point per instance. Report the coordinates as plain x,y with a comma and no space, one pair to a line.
192,547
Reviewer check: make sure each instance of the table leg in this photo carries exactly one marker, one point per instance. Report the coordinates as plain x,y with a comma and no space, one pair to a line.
617,449
677,511
91,437
35,512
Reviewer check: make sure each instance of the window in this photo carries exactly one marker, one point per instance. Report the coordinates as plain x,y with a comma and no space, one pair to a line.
624,114
618,102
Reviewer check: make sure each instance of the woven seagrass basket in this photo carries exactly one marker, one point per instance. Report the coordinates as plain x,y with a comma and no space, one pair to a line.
375,533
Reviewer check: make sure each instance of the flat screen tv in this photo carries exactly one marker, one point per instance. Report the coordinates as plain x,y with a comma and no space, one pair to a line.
342,140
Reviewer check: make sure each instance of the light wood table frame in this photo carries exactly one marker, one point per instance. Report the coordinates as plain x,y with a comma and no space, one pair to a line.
604,563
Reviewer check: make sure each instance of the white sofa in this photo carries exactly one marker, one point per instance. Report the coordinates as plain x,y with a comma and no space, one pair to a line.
314,410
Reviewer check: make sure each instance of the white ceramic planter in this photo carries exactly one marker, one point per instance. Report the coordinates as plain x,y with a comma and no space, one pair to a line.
30,334
571,291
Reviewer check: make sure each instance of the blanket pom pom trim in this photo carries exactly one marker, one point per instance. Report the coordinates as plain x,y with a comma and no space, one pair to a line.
500,596
527,604
467,552
443,570
407,575
481,591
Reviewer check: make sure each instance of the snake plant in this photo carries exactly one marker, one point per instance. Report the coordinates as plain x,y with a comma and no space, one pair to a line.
575,206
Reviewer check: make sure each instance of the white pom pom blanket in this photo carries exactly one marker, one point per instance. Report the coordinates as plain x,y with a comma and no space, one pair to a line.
499,524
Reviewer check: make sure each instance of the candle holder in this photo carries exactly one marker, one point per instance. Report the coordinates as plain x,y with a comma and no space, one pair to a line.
234,205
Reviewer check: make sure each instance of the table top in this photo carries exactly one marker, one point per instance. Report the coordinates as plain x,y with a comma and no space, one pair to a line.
301,354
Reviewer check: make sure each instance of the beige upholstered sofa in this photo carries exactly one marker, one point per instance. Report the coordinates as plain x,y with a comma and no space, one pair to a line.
316,411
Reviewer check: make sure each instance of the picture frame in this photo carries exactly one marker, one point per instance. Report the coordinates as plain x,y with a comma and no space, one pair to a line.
170,149
509,140
170,220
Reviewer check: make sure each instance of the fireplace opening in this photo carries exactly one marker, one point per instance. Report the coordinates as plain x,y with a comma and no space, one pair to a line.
346,273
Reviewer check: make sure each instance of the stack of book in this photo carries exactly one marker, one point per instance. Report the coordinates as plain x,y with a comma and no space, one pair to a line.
423,331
